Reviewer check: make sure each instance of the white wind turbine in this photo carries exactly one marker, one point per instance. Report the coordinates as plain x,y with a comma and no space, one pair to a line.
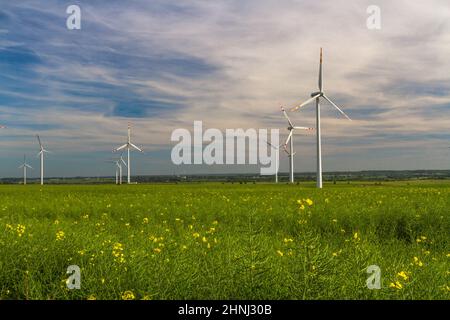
316,96
25,166
128,146
118,163
41,154
290,139
277,158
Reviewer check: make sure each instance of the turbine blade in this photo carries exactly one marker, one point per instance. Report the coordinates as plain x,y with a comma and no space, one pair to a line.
29,167
135,147
121,147
320,72
129,132
303,128
123,161
269,144
39,140
334,105
286,150
288,138
306,102
286,116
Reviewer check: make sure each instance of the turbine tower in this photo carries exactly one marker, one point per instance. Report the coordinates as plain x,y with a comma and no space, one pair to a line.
128,146
41,154
25,166
316,96
290,139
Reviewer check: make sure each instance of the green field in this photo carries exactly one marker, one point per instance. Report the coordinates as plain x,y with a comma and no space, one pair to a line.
224,241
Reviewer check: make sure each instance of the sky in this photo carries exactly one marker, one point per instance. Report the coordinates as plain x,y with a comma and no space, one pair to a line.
163,64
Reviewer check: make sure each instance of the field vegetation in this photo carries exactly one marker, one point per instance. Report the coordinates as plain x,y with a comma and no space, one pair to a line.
223,241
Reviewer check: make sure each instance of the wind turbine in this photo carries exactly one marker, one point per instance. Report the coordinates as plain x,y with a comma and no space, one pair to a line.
25,166
316,96
118,163
290,139
277,157
41,154
128,146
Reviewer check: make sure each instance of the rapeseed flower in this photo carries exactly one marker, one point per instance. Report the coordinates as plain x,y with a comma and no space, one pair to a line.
403,275
60,235
417,262
20,229
128,295
396,285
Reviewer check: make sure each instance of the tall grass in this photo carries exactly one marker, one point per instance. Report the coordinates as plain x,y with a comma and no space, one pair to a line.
221,241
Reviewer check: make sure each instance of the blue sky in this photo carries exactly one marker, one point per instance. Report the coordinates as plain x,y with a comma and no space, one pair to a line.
163,64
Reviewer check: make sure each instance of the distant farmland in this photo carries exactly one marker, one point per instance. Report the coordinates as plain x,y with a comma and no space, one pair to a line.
334,177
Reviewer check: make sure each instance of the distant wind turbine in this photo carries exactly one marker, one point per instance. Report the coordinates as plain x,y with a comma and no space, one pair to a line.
41,154
118,163
25,166
316,96
277,157
290,139
128,146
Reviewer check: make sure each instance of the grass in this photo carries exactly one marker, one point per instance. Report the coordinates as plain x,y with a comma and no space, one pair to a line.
223,241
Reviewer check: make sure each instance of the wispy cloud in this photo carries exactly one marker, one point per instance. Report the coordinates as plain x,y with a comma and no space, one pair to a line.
164,64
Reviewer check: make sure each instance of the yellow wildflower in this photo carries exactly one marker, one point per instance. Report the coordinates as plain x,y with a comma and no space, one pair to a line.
418,262
280,253
60,235
128,295
396,285
403,275
20,229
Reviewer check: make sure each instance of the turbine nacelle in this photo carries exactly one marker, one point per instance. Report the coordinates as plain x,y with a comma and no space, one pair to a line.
315,94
